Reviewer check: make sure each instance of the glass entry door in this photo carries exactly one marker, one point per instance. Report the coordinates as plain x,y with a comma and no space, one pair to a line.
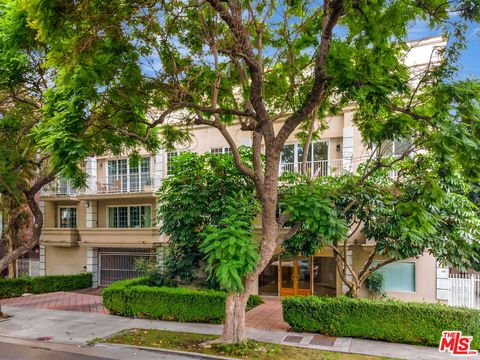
295,275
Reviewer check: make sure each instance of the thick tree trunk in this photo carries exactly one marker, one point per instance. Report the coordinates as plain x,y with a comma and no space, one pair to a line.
234,330
32,197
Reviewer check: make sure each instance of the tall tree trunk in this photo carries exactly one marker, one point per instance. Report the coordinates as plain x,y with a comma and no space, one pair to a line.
32,198
234,328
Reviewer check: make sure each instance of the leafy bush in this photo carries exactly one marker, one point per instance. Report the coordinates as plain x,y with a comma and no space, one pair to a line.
13,287
376,284
44,284
51,283
156,275
393,321
134,298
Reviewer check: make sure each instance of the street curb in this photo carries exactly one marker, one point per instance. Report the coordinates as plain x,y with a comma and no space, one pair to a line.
169,351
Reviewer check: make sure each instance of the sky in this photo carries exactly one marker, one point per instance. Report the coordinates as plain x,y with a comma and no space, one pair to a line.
469,62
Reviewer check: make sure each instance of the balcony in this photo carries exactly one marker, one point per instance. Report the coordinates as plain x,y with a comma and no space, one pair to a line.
119,184
315,168
123,237
67,237
59,188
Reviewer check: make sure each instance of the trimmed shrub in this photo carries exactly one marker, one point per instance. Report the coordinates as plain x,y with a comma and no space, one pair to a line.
44,284
393,321
135,298
51,283
13,287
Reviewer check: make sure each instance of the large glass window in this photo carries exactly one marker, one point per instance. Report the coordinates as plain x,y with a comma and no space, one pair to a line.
317,162
399,276
268,279
68,217
324,276
130,216
395,147
122,176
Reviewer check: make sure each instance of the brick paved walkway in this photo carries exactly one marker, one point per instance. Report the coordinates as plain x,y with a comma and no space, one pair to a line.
73,301
267,316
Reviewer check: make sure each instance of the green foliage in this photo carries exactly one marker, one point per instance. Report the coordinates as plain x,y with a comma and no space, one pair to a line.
202,191
376,284
393,321
229,248
421,210
52,283
134,298
155,274
44,284
13,287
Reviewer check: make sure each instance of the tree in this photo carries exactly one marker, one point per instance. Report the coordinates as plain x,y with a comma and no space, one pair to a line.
170,65
200,193
24,168
416,211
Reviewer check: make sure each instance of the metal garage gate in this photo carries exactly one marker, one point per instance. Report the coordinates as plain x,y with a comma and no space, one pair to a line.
118,264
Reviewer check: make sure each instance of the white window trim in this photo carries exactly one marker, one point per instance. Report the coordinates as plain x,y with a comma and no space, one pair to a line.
59,216
128,215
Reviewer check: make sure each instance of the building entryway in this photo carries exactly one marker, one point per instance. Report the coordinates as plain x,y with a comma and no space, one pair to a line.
288,275
295,275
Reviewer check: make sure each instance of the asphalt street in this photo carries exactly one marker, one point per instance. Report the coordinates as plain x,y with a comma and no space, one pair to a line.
45,351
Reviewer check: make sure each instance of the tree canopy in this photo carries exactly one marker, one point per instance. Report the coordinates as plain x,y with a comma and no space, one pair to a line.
143,72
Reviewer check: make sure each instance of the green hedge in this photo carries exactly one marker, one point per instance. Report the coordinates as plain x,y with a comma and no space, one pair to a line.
134,298
43,284
393,321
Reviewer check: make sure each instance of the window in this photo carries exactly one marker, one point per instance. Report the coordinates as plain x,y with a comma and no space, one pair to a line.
292,157
170,156
68,217
221,150
395,147
399,276
130,216
138,175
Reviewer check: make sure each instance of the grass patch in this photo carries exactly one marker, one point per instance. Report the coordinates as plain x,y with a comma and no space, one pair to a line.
253,350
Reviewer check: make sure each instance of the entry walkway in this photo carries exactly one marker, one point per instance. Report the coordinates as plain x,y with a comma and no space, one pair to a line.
82,300
267,316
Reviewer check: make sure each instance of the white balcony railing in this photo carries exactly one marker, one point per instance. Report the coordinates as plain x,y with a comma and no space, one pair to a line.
132,183
59,187
315,168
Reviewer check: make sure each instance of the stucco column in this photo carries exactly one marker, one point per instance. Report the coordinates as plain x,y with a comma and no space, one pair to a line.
158,169
41,267
91,214
92,264
91,170
443,283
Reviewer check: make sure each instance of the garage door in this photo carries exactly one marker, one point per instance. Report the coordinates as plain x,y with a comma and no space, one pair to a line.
118,264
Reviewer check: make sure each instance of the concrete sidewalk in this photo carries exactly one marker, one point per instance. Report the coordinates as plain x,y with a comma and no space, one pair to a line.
80,328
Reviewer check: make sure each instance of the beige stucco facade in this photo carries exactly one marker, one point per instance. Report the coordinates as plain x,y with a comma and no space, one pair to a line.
70,250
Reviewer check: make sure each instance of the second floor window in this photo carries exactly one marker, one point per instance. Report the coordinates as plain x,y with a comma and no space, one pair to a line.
134,216
221,150
123,176
292,157
170,156
68,217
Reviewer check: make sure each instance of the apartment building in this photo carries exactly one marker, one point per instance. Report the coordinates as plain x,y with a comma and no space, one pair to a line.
103,228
